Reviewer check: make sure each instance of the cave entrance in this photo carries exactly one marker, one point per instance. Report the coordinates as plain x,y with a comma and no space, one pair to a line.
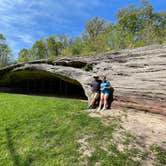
37,82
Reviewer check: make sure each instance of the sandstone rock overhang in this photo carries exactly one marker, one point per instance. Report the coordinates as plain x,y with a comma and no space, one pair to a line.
40,82
138,75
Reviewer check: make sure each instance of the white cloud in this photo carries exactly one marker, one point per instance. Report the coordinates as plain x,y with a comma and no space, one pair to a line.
26,38
23,21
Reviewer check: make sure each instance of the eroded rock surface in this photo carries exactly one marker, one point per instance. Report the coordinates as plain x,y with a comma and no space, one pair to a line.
138,75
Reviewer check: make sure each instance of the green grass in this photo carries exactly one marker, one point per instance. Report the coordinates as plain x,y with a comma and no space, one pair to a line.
45,131
160,155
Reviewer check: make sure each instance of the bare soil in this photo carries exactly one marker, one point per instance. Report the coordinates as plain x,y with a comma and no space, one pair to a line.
146,128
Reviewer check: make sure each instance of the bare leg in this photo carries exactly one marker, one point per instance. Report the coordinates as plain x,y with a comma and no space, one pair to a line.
93,99
105,101
96,95
101,101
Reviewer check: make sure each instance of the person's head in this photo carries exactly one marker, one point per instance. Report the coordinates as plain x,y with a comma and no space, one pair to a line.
104,78
96,77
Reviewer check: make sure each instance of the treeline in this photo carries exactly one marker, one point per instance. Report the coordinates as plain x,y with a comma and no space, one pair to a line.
136,26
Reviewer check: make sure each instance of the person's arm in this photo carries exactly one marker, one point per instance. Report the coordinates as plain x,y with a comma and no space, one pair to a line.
109,86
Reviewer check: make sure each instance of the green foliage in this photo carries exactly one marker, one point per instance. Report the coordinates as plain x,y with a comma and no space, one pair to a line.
24,55
160,155
44,48
5,52
136,26
93,28
77,47
39,50
51,45
139,26
54,47
95,36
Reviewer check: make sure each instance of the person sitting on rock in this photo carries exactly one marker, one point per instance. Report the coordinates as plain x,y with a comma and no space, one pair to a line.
95,85
105,88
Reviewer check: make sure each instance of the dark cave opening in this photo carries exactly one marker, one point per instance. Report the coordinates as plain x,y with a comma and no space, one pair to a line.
36,82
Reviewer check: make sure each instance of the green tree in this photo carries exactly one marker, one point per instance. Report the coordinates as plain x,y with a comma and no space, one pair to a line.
128,25
77,47
93,28
39,50
65,40
139,26
136,26
23,55
51,46
95,36
54,46
154,30
5,51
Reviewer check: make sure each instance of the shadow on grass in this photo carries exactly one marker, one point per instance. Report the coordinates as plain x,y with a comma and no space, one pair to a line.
15,157
12,150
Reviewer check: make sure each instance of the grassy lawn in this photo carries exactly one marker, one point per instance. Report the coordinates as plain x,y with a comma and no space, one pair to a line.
45,131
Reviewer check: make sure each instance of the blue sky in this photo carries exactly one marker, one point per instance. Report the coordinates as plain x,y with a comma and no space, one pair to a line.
24,21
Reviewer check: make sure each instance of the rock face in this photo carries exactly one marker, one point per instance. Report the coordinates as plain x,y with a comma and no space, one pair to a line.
138,75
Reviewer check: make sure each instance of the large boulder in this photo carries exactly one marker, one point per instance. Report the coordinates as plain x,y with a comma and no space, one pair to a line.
138,75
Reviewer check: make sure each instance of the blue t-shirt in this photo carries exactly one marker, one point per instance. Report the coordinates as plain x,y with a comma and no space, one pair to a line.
103,87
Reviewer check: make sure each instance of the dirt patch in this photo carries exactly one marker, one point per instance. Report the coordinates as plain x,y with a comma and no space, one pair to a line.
85,149
150,128
138,129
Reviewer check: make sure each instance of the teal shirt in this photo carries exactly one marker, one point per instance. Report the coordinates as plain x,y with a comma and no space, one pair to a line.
103,87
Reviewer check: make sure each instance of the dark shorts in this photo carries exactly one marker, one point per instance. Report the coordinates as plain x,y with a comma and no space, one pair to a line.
106,92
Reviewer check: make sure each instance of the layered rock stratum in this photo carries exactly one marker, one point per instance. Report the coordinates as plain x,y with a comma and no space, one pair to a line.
137,75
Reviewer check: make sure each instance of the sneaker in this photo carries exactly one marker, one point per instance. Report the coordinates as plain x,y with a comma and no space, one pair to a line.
89,107
103,109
